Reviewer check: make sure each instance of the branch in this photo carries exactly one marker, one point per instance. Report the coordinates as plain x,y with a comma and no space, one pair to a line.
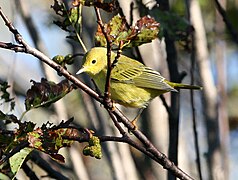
12,47
166,105
149,147
161,158
36,53
116,123
123,139
110,65
36,158
229,26
28,171
109,49
21,146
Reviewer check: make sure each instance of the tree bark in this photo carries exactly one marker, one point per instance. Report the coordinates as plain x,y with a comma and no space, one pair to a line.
220,50
214,158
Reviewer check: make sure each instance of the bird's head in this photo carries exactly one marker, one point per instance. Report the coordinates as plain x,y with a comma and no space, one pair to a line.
94,61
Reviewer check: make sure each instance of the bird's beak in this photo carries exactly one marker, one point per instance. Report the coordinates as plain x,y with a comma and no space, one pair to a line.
81,70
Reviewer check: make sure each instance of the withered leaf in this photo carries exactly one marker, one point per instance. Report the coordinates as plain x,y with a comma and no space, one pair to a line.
44,93
145,30
51,140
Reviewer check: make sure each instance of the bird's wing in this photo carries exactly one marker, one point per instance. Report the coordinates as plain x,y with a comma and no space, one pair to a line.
139,75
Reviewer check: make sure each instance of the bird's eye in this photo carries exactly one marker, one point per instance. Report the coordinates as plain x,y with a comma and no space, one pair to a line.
94,61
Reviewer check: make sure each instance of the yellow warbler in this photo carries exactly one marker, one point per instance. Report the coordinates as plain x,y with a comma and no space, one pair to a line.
132,84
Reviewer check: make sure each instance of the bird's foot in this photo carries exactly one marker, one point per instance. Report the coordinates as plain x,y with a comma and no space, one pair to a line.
133,122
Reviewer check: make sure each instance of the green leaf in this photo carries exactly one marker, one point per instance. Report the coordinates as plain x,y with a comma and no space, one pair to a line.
145,30
4,177
50,140
17,159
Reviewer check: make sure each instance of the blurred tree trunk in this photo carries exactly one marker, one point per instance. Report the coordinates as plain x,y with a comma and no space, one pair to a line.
214,157
175,97
174,116
157,114
220,50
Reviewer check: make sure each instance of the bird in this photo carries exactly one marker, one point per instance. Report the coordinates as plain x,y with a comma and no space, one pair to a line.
132,84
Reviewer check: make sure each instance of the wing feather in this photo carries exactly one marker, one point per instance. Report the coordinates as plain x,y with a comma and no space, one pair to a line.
134,72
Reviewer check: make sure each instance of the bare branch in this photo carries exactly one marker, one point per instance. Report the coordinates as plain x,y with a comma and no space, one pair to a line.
229,26
14,151
28,171
36,158
12,47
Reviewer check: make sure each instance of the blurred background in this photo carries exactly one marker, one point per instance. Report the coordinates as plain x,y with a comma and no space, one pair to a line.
215,57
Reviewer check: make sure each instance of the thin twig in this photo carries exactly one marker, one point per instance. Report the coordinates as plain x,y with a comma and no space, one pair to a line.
131,13
109,49
75,28
136,49
36,158
28,171
161,158
198,162
12,47
116,123
14,151
194,115
166,105
123,139
119,51
229,26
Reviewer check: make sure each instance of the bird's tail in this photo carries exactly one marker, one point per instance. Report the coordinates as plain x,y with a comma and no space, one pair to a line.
183,86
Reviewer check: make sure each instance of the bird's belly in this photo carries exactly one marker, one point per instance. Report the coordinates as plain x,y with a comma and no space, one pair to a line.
129,95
